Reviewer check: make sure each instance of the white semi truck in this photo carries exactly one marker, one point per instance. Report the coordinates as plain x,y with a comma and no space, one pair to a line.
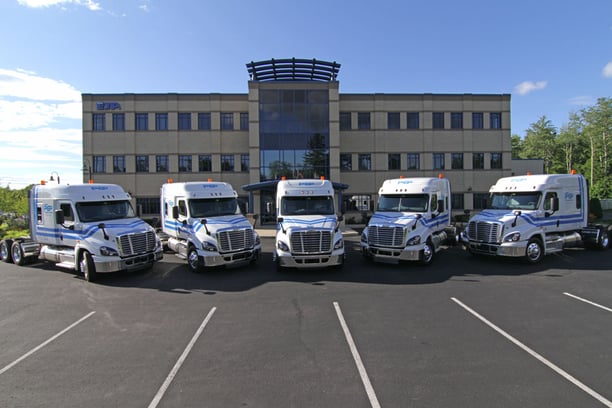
411,222
90,228
308,233
534,215
205,226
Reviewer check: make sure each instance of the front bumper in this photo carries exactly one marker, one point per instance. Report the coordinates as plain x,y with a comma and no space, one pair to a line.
236,259
510,249
393,255
106,264
287,260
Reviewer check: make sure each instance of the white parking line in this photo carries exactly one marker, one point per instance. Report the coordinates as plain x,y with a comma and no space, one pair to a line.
588,301
35,349
180,361
555,368
360,367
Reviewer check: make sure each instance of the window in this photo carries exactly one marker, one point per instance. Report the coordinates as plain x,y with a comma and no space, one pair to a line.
414,162
346,162
477,120
204,163
161,163
244,121
496,120
363,120
119,122
244,163
185,163
227,121
456,120
480,201
142,121
227,162
99,122
161,121
99,164
457,201
184,120
345,120
118,164
438,161
477,161
365,161
142,164
496,160
148,205
456,161
438,120
412,120
547,203
204,121
394,161
393,120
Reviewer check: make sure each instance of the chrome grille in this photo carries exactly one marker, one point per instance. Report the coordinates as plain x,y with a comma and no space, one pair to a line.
311,242
139,243
483,231
235,240
386,236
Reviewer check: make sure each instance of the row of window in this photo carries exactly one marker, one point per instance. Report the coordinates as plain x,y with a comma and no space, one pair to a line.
394,121
413,161
143,164
412,120
184,121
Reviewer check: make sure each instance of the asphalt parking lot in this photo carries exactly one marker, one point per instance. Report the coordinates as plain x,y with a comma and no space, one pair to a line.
463,332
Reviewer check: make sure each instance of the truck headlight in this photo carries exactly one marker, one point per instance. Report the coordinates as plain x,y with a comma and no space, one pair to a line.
106,251
414,241
207,246
257,239
282,246
339,244
513,237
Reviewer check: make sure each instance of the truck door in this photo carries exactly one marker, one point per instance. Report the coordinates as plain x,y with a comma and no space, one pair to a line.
67,235
182,224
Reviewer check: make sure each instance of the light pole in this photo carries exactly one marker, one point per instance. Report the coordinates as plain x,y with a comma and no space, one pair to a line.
52,179
87,167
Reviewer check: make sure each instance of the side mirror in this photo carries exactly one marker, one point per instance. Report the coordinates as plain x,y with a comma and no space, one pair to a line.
440,205
175,212
554,203
59,217
341,217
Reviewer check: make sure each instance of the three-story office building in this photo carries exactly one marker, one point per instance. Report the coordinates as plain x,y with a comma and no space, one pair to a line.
294,122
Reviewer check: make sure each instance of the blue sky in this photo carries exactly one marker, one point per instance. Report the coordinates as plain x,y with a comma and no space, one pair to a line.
553,57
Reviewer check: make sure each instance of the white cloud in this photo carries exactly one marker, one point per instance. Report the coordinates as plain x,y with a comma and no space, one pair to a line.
528,86
40,129
582,100
90,4
607,71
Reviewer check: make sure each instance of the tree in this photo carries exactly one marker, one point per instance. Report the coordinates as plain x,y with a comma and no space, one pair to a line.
541,143
517,146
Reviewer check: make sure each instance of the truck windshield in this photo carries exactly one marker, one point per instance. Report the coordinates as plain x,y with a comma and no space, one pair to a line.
315,205
104,210
403,203
515,201
215,207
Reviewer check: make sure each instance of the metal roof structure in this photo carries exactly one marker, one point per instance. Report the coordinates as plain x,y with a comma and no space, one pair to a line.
293,70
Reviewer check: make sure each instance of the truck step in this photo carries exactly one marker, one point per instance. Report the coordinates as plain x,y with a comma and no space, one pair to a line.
66,265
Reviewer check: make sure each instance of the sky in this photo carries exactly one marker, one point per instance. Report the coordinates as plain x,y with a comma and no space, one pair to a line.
553,57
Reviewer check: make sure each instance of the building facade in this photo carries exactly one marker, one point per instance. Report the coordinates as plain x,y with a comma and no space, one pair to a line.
294,122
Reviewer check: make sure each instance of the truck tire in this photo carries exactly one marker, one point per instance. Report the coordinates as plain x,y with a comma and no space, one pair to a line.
5,251
87,267
17,254
192,259
603,242
534,251
428,253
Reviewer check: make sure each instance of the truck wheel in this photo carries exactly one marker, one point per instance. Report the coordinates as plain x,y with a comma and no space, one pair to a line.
87,267
17,254
192,259
428,253
5,251
604,239
534,251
